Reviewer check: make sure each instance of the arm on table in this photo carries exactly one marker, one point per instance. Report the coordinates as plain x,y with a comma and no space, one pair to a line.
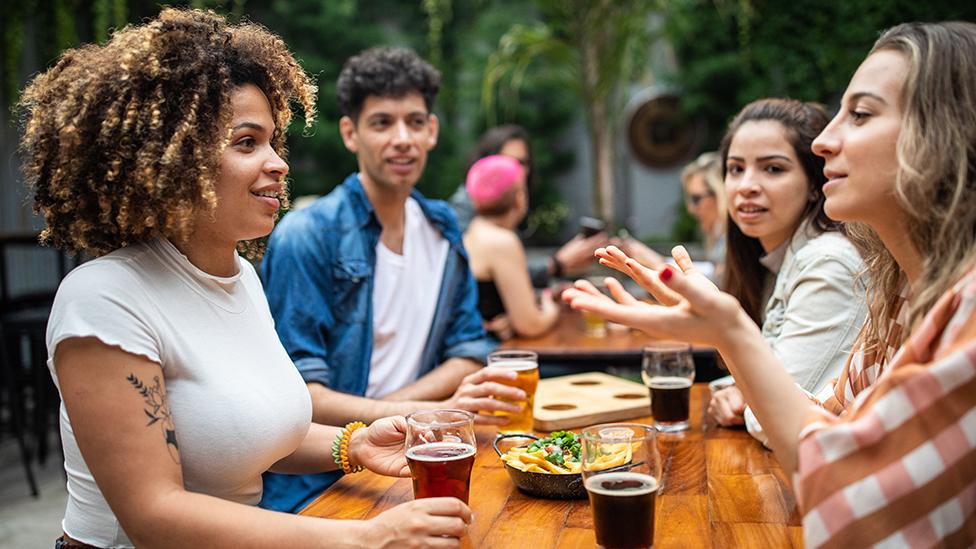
137,468
707,316
474,392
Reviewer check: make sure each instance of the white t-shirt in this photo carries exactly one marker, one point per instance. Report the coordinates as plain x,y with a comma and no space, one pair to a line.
404,299
238,403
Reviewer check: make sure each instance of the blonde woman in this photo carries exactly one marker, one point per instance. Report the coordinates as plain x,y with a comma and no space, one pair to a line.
890,457
704,193
160,152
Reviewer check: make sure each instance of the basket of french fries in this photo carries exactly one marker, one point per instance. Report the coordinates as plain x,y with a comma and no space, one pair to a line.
550,467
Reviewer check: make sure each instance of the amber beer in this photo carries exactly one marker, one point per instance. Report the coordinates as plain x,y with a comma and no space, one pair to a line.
441,469
670,402
526,366
623,509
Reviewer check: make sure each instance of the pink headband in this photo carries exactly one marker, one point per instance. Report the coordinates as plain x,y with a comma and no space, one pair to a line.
490,177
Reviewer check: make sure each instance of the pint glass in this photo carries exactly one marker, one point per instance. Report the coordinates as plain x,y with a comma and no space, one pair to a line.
525,364
440,452
668,370
622,475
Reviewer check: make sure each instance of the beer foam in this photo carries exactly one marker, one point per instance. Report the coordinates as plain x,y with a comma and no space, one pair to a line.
413,453
516,365
668,382
593,484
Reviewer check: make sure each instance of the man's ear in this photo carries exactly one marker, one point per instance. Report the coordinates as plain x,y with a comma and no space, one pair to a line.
434,126
347,129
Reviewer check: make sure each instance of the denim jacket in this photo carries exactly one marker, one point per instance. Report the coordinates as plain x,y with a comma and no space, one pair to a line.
318,275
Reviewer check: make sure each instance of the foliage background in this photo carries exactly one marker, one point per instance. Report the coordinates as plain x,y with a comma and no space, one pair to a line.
731,52
728,52
457,36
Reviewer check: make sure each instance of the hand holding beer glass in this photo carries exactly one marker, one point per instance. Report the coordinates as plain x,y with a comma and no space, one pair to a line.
622,475
668,370
440,453
525,364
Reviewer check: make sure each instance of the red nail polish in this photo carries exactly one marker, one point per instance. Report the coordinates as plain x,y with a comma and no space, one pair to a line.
666,274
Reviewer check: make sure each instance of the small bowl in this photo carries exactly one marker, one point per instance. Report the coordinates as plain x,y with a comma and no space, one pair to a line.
543,485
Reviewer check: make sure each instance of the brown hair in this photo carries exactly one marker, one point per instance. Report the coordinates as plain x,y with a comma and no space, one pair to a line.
122,141
936,177
803,122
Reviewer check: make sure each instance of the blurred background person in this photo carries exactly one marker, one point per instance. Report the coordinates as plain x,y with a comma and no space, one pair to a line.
513,140
704,194
498,190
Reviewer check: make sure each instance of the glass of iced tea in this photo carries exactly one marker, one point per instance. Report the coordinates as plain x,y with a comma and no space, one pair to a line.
440,452
525,364
668,370
622,475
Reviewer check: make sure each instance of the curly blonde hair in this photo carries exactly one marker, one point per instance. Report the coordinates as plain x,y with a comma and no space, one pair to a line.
122,141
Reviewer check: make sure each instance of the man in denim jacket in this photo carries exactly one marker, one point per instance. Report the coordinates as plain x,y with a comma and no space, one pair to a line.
369,286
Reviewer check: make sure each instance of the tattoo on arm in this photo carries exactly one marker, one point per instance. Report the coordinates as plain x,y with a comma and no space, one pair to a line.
157,410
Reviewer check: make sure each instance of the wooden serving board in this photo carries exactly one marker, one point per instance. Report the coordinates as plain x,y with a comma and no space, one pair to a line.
580,400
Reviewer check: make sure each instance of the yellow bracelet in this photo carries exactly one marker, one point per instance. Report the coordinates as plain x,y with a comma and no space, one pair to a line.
340,448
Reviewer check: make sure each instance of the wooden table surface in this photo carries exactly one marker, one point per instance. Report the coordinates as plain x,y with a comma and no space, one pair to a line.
568,340
721,489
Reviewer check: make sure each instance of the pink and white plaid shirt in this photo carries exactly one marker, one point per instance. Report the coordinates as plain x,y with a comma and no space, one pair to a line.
898,467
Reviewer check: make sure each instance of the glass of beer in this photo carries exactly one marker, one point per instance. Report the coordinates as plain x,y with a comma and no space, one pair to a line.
440,451
622,474
668,370
525,364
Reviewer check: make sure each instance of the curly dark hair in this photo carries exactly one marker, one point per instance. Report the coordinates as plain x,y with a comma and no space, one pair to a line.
122,141
803,122
385,72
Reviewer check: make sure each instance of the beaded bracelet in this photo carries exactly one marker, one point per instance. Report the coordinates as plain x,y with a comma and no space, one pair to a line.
340,448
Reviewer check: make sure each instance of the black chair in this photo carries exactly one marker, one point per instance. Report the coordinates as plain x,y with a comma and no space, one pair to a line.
29,277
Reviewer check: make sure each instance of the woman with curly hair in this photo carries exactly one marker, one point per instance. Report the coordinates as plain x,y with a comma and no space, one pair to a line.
888,456
160,153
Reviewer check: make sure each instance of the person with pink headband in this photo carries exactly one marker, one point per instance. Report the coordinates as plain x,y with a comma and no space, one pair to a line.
497,187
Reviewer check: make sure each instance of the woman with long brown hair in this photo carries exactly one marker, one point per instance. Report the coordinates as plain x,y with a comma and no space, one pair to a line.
890,457
160,153
789,265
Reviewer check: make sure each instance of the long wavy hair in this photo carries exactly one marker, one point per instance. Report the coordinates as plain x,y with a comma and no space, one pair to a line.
122,141
802,122
936,177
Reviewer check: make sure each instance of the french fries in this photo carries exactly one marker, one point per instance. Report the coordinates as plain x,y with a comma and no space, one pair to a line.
535,462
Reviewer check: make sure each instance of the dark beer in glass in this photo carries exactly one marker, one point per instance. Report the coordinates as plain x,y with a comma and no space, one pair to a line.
668,371
623,509
441,469
670,399
622,474
440,448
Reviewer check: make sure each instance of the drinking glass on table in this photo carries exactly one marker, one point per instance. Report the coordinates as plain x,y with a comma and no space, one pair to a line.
668,370
440,451
525,364
622,475
595,325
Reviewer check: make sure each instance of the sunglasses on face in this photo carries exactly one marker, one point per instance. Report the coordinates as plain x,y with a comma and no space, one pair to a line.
695,199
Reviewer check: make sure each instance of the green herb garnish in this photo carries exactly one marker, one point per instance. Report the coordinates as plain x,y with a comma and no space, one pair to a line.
562,441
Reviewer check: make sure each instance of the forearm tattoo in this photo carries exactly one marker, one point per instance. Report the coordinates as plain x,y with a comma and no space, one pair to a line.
157,410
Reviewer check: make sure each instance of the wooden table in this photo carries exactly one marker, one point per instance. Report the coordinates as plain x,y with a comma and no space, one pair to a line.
569,346
569,341
721,489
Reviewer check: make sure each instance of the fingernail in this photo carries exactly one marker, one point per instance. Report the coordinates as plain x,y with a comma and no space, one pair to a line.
666,273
